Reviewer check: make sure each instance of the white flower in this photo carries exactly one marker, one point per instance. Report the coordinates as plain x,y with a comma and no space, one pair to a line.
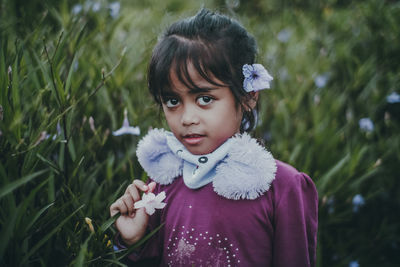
283,74
126,128
151,202
91,124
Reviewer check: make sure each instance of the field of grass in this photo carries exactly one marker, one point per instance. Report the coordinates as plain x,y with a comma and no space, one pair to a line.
70,70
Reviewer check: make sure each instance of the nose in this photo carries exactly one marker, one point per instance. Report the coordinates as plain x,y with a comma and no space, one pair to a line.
190,116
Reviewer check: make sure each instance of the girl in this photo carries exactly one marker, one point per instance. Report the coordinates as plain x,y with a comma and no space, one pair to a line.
228,201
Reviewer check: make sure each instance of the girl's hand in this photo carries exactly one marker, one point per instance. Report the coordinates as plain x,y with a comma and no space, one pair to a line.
132,223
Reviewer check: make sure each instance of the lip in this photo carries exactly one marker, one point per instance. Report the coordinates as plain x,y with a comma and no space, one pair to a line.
193,139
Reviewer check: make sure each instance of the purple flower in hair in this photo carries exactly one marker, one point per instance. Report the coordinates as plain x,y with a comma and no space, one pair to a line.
256,77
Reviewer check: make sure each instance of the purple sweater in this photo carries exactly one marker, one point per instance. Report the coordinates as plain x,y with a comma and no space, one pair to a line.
201,228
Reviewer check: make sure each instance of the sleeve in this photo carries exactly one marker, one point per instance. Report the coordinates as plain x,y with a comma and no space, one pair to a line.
149,254
295,221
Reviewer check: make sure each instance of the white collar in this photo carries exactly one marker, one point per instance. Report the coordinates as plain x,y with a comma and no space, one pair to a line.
198,170
245,171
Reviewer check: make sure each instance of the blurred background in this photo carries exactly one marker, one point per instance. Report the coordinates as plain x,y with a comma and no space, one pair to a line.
71,71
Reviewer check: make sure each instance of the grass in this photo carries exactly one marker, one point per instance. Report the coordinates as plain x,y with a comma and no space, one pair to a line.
68,70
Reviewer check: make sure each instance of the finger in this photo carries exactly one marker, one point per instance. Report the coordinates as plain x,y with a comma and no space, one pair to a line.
121,206
113,210
133,192
118,206
141,185
129,202
151,186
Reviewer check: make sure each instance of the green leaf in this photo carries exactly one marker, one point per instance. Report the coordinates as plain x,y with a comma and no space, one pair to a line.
6,232
49,163
69,77
48,236
326,178
139,243
8,188
109,222
37,216
80,260
115,262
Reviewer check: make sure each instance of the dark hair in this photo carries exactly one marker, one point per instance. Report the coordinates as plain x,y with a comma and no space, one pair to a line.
216,45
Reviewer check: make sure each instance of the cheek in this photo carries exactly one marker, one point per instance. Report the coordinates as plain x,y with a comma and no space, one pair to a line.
172,120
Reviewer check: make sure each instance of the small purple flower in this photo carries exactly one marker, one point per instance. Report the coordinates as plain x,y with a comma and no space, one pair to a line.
96,6
256,78
57,134
393,98
366,125
126,128
76,65
321,80
76,9
331,204
284,35
358,201
114,9
283,74
354,264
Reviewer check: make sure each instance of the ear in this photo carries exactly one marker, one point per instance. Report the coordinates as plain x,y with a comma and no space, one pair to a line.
252,102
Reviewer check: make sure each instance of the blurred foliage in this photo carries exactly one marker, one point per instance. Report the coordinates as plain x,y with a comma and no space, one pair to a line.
69,69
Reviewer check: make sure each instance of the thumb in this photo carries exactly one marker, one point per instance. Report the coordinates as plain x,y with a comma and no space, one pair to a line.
141,217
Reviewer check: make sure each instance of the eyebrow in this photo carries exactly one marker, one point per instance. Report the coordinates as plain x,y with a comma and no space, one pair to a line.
192,91
198,90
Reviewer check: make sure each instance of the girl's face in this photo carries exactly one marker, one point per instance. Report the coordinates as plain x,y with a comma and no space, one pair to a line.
201,119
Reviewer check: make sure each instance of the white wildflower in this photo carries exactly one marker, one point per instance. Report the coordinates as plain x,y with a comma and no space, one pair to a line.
91,124
126,128
151,202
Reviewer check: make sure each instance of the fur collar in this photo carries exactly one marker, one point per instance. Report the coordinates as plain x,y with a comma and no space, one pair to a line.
246,172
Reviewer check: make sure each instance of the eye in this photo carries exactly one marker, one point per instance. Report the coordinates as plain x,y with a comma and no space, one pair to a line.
205,100
172,102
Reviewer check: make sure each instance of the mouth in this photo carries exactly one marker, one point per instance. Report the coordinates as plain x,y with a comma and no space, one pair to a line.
193,139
